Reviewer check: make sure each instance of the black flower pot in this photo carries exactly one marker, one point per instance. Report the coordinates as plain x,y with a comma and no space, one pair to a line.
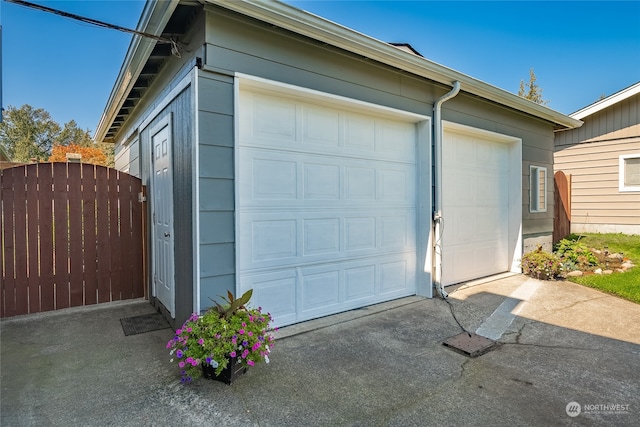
228,375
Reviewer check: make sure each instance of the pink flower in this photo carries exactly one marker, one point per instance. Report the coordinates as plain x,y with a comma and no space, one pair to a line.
244,325
250,362
178,331
232,354
194,363
241,331
201,341
181,364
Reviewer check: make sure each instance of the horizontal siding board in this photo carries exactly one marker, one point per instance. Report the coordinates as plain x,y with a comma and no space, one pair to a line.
217,259
211,288
216,194
216,96
216,162
215,129
217,227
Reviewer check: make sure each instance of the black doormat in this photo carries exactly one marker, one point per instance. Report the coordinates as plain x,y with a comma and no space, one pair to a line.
145,323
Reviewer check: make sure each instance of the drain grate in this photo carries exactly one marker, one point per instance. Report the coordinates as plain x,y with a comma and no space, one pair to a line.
145,323
471,345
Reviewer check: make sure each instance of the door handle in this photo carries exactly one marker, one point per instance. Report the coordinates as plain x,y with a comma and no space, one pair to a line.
167,234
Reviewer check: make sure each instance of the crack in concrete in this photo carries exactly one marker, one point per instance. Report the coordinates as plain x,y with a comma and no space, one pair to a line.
573,304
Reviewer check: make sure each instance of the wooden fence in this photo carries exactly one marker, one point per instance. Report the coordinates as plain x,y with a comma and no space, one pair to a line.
562,208
72,235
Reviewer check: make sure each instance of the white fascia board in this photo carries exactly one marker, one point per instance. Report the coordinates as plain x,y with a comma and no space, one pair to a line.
318,28
153,20
607,102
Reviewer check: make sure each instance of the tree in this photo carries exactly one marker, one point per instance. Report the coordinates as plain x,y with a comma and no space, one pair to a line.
93,155
27,133
533,92
72,134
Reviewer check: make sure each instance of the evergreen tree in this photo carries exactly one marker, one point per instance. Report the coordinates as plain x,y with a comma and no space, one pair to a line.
531,90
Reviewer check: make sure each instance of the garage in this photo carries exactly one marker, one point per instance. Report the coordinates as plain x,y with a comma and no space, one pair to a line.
481,203
326,201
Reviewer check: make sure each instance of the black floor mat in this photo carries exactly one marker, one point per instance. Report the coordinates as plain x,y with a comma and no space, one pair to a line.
145,323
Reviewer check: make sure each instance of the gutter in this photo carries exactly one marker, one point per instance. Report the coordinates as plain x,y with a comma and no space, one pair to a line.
156,14
301,22
438,220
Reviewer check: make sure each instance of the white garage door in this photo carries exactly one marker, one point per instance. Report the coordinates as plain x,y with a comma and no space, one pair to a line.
326,206
475,206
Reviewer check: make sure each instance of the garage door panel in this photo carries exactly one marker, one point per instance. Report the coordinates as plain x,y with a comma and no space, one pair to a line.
321,181
321,126
475,207
277,239
321,236
277,293
276,179
326,206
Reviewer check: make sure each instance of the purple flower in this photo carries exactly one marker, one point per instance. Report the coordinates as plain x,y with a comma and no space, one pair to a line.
179,354
245,343
209,360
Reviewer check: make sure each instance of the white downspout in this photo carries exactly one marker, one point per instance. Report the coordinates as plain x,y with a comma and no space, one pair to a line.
437,208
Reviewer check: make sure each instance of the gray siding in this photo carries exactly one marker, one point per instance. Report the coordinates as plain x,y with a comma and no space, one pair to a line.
236,44
216,182
182,143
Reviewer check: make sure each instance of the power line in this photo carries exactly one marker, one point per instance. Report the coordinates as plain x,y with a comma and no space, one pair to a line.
174,44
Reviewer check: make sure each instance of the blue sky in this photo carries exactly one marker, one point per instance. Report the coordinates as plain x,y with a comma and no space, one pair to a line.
578,49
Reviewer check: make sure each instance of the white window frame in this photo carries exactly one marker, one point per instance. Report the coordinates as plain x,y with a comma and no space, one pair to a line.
534,189
621,170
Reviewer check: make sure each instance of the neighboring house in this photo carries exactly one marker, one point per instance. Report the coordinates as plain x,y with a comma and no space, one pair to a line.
291,155
602,159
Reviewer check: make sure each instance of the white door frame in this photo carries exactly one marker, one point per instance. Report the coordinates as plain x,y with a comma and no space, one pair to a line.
169,300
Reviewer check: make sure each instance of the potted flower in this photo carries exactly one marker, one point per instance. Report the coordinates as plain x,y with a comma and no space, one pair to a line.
222,342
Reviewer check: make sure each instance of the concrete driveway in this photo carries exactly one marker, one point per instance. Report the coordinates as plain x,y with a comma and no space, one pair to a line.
563,350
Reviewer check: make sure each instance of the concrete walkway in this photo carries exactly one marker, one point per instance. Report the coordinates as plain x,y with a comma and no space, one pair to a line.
383,365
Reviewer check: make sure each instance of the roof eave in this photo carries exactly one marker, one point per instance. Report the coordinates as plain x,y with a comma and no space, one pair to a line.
156,15
607,102
153,20
313,26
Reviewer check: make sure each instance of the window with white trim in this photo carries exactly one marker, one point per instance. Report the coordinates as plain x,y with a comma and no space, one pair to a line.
537,189
629,172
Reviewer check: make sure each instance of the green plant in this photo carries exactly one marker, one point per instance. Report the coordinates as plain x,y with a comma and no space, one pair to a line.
574,252
226,331
541,265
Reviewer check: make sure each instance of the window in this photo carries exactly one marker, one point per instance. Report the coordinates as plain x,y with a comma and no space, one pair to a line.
629,172
537,189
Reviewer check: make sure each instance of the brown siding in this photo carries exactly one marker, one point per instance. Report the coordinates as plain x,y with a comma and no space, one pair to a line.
590,154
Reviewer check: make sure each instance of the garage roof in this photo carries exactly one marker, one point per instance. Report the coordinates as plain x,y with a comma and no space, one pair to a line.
169,19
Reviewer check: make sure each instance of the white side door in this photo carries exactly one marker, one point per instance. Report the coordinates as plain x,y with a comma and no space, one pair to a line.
162,216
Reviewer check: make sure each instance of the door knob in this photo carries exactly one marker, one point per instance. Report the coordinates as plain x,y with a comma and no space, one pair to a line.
167,234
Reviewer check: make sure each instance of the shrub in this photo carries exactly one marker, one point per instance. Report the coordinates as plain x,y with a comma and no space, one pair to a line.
574,253
541,265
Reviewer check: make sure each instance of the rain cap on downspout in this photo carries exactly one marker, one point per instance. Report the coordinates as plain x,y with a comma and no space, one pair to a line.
437,208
